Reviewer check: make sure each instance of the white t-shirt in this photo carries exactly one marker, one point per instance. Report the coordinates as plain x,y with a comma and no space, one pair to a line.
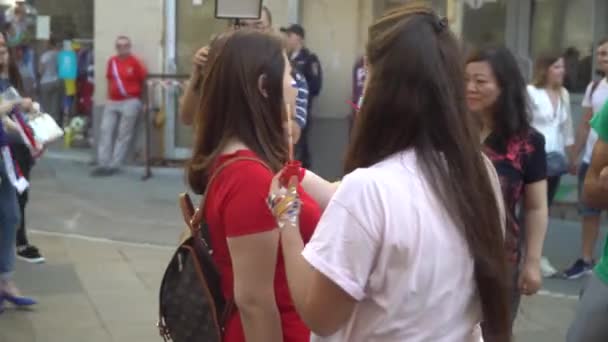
600,96
555,124
386,240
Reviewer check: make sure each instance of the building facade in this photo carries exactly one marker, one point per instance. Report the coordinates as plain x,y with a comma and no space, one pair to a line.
167,32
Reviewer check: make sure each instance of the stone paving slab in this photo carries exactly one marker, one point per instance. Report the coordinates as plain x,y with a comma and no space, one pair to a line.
88,291
107,291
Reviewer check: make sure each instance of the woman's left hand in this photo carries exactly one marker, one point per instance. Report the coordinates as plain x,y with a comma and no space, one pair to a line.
284,202
530,279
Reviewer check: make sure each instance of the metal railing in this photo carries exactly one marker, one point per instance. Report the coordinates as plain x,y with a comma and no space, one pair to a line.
152,107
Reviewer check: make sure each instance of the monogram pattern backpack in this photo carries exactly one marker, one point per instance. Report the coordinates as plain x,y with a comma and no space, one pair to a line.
192,306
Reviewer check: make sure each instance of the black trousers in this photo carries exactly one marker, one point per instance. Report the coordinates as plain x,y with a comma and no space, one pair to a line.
25,161
303,147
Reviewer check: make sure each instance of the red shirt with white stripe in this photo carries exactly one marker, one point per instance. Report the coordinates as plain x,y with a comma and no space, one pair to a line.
125,77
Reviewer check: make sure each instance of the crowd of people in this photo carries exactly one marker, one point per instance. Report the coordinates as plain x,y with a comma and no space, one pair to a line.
397,250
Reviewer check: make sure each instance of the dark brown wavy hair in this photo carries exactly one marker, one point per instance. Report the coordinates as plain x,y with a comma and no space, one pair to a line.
232,106
415,99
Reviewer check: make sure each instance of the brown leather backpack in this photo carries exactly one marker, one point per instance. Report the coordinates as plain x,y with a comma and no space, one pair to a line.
192,306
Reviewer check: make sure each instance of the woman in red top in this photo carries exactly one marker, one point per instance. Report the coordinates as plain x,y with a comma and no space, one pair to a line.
242,115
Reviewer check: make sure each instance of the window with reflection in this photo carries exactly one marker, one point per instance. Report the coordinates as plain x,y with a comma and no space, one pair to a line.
478,22
565,26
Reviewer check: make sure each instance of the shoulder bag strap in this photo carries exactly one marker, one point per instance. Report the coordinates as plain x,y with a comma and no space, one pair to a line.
197,218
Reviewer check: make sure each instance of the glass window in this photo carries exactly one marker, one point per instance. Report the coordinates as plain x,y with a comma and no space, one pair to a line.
196,25
479,23
70,19
466,17
565,26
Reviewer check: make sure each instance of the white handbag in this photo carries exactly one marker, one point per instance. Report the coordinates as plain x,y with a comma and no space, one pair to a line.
46,130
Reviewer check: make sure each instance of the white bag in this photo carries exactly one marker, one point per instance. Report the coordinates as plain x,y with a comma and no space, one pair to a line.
46,130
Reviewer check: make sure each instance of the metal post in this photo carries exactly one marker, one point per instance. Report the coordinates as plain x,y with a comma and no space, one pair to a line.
147,147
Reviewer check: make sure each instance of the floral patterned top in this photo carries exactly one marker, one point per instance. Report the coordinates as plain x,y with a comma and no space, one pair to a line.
523,162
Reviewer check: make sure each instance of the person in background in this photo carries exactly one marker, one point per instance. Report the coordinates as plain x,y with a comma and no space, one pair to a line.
125,75
571,59
24,57
496,91
551,116
301,105
11,77
403,253
358,83
307,64
67,70
596,96
189,102
591,321
10,215
242,115
51,87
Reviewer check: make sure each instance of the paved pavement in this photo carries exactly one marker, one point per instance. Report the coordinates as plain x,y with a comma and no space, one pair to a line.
107,242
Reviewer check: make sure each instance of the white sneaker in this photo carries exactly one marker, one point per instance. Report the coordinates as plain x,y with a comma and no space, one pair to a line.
546,268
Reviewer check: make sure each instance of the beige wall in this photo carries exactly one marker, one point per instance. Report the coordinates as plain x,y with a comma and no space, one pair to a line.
142,20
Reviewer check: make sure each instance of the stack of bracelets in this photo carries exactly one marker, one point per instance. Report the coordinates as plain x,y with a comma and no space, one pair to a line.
285,206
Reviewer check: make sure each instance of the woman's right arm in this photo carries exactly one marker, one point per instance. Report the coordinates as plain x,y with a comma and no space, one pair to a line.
253,243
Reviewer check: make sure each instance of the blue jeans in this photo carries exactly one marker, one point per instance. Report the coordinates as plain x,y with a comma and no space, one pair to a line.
9,219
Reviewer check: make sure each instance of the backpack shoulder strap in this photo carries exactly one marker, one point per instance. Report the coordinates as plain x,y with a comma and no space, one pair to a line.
197,218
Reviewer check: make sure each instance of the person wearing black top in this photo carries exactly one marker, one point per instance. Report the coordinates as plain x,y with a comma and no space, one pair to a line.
307,64
496,91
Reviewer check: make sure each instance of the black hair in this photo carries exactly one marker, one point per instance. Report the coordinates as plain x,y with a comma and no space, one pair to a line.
511,109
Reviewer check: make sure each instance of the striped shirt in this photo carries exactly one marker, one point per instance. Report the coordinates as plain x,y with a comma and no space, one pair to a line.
301,100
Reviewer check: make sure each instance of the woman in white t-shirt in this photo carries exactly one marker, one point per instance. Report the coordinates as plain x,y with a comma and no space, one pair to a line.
410,246
551,116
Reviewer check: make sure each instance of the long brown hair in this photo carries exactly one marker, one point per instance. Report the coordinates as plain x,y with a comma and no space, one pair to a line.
232,106
415,100
14,75
541,68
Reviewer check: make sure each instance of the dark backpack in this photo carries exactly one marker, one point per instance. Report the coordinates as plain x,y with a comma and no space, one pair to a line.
192,306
